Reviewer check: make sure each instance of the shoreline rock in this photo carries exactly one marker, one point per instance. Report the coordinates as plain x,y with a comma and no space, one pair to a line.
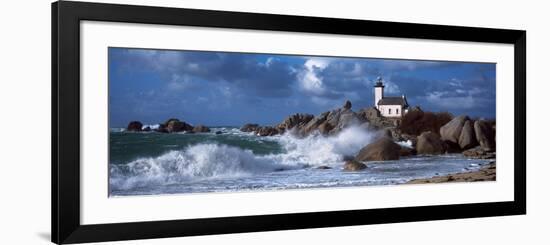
296,120
484,134
383,149
328,123
134,126
479,153
486,173
406,151
174,125
429,143
266,131
451,131
354,165
467,137
201,129
249,127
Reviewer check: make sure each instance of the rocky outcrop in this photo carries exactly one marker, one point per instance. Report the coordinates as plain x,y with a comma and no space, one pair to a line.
266,131
201,129
161,129
296,121
134,126
485,135
347,105
325,128
479,153
147,129
249,127
316,122
406,151
467,137
370,113
327,123
382,149
429,143
450,132
375,120
332,122
353,165
461,134
341,119
174,125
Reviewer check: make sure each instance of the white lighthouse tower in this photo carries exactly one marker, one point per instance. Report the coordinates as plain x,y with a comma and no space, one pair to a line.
378,91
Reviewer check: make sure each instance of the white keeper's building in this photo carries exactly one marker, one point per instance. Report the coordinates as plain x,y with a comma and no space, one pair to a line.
389,106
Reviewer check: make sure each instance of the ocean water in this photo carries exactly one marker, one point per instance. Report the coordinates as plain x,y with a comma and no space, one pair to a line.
154,163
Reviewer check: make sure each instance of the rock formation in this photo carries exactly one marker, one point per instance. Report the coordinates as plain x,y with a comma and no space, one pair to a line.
353,165
429,143
479,153
249,127
450,132
347,105
406,151
200,129
327,123
267,131
467,137
485,135
174,125
296,121
382,149
134,126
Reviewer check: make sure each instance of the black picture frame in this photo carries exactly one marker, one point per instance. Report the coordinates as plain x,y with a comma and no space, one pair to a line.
65,167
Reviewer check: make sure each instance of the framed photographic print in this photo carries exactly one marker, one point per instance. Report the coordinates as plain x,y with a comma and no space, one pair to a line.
176,122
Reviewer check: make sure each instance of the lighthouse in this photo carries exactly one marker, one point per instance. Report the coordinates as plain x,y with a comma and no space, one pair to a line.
378,91
394,107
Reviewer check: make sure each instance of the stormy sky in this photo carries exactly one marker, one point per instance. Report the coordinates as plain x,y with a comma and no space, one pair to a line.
230,89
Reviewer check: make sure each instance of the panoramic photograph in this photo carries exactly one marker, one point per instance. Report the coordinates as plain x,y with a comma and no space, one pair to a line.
186,121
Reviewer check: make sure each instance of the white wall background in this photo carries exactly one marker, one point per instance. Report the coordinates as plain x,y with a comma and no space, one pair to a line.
25,123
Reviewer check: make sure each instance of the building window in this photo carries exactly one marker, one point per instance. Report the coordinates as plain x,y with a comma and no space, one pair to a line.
389,111
397,111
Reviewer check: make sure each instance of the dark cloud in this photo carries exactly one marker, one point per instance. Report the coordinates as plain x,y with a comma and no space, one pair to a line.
220,88
272,79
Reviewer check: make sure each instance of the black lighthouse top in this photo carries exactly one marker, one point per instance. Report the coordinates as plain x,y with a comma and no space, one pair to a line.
379,83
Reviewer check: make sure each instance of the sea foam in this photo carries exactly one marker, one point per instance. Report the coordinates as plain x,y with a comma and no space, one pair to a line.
318,150
211,160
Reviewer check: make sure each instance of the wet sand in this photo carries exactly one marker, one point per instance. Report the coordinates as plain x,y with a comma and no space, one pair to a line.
487,173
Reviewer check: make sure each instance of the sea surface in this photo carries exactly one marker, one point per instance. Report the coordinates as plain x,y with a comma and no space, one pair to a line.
150,163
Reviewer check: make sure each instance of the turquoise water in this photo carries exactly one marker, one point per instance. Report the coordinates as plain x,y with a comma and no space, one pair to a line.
125,147
156,163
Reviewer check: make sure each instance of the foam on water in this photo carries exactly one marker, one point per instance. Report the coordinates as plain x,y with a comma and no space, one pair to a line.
207,160
195,162
151,126
211,166
317,150
407,144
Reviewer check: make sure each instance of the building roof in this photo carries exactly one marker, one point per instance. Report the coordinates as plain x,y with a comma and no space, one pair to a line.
394,101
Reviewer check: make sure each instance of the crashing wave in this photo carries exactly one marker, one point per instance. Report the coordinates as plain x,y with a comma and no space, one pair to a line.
208,160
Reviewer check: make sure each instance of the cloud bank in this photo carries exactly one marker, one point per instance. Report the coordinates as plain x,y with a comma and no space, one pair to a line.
221,88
